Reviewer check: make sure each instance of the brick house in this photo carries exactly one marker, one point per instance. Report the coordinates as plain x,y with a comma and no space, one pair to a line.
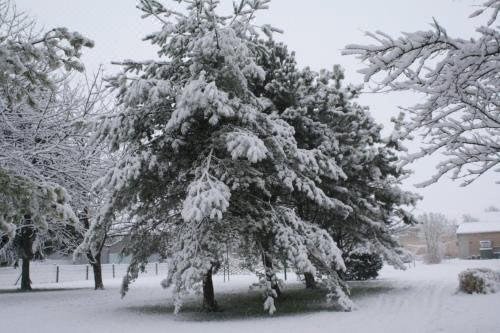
479,240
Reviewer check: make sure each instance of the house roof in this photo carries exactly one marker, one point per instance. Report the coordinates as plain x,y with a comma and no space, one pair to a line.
478,227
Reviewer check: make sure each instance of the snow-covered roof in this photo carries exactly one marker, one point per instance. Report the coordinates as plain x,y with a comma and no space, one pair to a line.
478,227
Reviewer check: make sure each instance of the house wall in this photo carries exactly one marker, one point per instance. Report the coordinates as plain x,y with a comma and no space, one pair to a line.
468,244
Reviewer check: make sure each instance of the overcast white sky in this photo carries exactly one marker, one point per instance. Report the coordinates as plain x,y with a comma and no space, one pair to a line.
317,30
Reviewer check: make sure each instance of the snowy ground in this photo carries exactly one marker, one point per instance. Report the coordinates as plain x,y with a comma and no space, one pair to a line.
420,299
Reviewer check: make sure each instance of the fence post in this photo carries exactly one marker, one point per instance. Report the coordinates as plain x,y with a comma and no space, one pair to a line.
86,272
156,268
113,266
227,260
57,274
284,266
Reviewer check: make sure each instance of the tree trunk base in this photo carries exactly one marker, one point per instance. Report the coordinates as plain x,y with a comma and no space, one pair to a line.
25,275
98,284
310,281
270,275
209,303
97,269
210,307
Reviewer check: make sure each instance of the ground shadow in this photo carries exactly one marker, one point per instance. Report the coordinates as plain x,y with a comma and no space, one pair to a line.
36,290
249,304
242,305
360,289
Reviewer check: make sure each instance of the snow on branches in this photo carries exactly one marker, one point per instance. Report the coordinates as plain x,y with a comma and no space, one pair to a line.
244,144
41,126
207,197
27,60
47,165
219,141
461,80
199,96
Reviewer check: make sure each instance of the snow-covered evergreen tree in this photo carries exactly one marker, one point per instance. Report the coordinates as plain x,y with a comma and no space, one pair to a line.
326,118
206,157
460,79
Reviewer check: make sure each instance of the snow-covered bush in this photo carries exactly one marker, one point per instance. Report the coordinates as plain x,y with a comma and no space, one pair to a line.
479,280
362,266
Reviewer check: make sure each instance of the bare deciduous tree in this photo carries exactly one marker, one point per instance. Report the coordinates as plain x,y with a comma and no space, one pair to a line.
433,228
492,209
40,137
467,218
461,80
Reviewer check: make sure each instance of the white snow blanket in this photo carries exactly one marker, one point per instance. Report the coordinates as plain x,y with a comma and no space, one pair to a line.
420,299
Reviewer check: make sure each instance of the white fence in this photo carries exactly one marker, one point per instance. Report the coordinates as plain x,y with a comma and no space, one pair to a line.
51,273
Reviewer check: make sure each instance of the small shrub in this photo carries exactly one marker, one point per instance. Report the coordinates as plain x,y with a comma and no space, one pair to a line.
362,266
479,280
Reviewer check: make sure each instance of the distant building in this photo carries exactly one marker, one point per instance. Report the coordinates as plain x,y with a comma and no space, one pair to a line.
479,240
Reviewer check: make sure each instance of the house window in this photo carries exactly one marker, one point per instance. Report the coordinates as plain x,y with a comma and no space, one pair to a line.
485,245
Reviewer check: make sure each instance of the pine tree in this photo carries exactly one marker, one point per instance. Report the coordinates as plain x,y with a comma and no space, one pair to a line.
326,118
206,157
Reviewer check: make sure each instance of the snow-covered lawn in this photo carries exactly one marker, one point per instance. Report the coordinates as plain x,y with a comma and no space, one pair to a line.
420,299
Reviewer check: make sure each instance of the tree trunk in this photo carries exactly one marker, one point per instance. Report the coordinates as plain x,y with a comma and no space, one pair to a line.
209,303
97,268
95,262
310,281
270,276
25,275
27,236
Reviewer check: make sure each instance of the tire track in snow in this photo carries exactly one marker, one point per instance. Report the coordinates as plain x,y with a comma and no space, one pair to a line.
412,306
